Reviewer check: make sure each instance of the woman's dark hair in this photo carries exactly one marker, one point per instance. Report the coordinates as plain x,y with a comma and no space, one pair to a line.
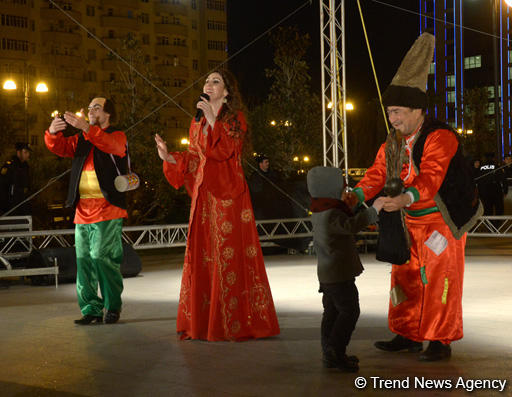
233,105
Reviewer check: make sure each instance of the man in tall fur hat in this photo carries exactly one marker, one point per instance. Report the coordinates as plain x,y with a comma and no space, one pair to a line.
440,205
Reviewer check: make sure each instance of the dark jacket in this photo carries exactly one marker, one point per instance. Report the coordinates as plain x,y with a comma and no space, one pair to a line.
14,186
334,229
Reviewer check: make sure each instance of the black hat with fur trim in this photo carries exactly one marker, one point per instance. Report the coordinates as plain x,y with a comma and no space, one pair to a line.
408,87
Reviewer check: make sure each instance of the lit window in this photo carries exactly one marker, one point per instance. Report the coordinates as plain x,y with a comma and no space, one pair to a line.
450,81
432,69
450,96
490,108
490,91
473,62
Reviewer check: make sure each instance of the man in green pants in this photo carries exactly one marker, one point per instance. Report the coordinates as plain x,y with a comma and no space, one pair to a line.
99,155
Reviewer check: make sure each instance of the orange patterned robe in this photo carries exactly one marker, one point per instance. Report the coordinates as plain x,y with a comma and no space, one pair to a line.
225,293
426,293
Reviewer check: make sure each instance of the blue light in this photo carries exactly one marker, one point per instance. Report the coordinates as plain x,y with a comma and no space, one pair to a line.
435,61
501,83
455,63
461,62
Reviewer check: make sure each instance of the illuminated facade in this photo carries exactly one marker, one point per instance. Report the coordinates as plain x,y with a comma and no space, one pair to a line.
464,59
178,40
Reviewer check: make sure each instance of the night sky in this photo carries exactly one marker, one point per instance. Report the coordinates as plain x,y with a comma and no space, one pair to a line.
391,32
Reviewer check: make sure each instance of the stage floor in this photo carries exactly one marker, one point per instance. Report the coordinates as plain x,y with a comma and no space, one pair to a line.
42,353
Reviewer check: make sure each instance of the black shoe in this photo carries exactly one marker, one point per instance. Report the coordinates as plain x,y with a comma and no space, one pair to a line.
436,351
348,363
88,319
112,317
330,360
399,343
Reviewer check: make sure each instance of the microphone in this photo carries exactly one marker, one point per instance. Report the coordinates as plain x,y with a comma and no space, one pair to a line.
199,113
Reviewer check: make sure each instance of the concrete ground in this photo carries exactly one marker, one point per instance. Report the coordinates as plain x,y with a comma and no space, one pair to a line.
42,353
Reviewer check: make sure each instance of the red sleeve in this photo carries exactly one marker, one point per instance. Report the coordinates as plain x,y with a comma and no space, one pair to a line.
226,138
375,177
175,173
113,143
60,145
440,147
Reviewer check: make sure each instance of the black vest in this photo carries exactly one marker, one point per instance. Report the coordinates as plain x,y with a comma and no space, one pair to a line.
457,198
105,171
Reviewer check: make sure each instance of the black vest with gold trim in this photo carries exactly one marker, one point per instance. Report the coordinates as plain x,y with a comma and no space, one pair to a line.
457,198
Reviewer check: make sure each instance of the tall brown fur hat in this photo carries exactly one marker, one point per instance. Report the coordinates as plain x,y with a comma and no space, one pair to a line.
408,87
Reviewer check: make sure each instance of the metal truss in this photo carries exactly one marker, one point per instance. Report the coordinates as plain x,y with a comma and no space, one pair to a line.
334,120
492,226
148,237
167,236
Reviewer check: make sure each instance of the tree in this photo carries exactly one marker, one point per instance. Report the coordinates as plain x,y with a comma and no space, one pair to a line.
366,131
483,138
289,122
155,201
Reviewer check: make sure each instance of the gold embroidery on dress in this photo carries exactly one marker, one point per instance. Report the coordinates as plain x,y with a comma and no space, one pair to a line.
233,303
226,203
207,260
246,215
251,251
231,278
235,327
234,129
204,213
217,241
227,227
185,301
192,165
206,303
228,253
260,299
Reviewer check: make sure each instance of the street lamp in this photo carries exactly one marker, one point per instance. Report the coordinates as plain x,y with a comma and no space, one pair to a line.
464,133
41,87
348,105
299,160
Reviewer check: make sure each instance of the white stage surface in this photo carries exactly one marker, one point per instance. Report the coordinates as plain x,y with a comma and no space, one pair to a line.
42,353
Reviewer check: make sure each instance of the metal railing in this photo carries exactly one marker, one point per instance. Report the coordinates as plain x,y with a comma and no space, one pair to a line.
166,236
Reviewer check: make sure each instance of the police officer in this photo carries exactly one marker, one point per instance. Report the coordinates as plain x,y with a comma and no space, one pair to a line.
491,186
14,181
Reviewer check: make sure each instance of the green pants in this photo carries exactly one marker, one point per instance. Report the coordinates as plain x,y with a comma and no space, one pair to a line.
99,254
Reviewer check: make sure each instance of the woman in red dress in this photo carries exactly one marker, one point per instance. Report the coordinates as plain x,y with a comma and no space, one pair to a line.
225,293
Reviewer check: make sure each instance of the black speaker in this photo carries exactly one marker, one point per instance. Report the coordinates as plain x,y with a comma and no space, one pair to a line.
66,260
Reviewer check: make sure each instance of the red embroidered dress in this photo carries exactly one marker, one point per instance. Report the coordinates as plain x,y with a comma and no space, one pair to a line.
225,293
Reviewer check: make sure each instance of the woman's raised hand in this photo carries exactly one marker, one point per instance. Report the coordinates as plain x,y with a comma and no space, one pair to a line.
163,153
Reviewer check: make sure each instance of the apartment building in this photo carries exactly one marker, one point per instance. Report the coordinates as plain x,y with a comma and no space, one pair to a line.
473,50
72,46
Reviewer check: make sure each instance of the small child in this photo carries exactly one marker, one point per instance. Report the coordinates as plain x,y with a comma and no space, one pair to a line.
334,227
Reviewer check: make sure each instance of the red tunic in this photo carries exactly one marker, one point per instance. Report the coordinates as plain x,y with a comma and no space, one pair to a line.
426,293
225,293
97,209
